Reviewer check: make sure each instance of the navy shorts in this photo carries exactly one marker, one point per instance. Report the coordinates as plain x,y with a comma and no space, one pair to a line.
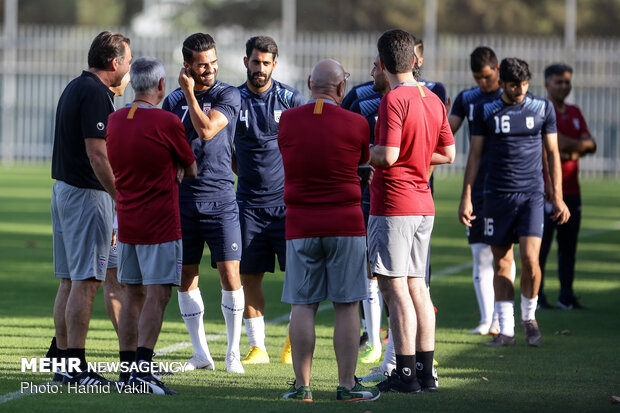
217,224
510,215
475,233
263,233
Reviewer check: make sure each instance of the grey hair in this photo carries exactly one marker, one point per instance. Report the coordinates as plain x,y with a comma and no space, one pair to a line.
145,74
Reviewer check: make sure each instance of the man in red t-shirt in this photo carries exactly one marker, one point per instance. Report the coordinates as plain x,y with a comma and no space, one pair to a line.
411,134
322,145
149,154
575,141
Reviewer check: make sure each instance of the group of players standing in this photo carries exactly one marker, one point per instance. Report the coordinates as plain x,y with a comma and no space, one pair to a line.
170,173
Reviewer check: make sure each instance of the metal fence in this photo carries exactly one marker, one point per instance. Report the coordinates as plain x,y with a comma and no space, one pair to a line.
39,63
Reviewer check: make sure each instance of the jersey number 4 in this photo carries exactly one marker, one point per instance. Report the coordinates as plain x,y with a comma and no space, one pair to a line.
502,124
243,117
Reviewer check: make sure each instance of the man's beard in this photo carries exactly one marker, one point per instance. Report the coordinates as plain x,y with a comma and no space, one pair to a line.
200,81
257,82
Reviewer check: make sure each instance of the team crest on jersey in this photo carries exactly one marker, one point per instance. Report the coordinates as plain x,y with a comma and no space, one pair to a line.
576,123
276,115
100,125
234,246
529,122
206,107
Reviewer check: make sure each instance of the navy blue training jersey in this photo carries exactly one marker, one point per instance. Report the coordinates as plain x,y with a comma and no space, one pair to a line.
368,107
259,162
463,107
437,88
215,180
358,92
513,137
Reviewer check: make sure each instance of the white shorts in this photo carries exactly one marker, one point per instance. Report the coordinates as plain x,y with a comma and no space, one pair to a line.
398,245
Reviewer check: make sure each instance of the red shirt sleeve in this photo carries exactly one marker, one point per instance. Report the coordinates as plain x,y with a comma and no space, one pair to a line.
446,138
176,134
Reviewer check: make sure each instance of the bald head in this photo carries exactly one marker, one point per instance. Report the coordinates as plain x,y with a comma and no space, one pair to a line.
325,74
326,78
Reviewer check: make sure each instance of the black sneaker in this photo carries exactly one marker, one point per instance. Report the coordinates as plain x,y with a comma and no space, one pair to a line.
532,333
431,384
363,340
150,384
501,340
393,383
86,378
59,377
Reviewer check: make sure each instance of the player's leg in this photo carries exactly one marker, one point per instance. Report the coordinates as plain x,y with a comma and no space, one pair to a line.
191,304
372,311
568,234
302,341
112,289
545,247
233,304
529,247
483,285
529,229
253,318
60,303
504,293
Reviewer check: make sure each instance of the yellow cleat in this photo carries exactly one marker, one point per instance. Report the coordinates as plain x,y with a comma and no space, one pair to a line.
287,356
256,356
371,355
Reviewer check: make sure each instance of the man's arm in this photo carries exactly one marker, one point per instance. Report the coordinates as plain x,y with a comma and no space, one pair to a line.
584,145
443,155
98,156
384,155
206,125
471,172
560,212
455,122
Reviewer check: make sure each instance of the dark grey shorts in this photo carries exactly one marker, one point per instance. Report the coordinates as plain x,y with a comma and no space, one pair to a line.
82,231
320,268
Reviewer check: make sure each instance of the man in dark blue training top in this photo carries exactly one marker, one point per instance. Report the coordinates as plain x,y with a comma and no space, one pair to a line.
260,186
515,128
209,109
485,70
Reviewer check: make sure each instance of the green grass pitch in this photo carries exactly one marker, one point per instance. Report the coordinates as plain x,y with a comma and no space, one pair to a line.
578,370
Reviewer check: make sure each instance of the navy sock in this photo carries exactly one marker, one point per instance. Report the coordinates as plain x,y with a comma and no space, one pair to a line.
52,352
78,353
144,355
127,358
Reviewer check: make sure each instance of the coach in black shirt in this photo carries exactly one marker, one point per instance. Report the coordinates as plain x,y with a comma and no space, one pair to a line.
82,198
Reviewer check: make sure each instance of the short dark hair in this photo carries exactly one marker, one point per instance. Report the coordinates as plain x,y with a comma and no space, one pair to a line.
106,47
513,69
419,48
197,42
397,50
557,69
482,56
263,44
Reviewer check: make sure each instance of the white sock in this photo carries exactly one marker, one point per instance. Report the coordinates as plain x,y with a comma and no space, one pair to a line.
483,281
389,357
192,310
233,303
513,271
255,329
528,308
372,311
506,312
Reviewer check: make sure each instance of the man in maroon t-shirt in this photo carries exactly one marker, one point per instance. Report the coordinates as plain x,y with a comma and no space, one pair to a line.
412,133
322,145
575,141
149,154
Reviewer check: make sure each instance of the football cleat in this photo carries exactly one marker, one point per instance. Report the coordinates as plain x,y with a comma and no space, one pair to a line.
196,363
256,356
86,378
532,333
358,393
371,355
393,383
233,364
501,340
150,384
286,356
303,393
